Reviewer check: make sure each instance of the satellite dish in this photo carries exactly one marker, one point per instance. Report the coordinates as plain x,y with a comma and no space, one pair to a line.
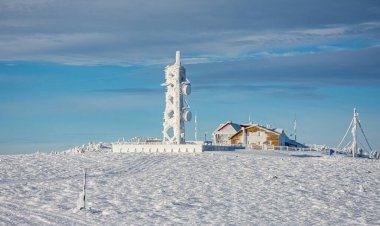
186,89
187,115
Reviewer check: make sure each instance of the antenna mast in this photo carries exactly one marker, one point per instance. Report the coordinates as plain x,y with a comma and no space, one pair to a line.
354,146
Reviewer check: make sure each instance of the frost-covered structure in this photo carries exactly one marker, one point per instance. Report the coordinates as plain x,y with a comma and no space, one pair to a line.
353,145
252,135
222,135
177,111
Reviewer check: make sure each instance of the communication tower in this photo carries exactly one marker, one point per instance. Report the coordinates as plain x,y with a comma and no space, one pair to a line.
177,110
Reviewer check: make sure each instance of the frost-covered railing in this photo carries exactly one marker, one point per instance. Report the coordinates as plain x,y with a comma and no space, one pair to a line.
141,140
221,144
283,148
209,146
287,148
374,154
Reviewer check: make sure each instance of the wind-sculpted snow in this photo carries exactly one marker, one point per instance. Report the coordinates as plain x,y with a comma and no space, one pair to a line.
91,147
238,188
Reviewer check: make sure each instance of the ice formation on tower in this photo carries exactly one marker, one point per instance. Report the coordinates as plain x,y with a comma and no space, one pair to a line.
177,111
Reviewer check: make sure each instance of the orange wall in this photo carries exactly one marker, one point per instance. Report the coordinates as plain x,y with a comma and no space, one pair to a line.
271,137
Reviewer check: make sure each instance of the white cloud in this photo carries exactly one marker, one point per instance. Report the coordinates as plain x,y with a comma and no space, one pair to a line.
308,36
80,103
126,49
326,31
146,32
40,43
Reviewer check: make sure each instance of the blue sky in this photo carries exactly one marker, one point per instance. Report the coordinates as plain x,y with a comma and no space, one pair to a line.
78,71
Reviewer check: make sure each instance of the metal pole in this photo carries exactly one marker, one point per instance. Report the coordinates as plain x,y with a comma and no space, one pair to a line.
196,127
295,129
354,136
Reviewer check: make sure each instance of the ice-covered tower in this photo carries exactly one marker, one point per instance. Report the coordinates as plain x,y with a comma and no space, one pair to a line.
177,111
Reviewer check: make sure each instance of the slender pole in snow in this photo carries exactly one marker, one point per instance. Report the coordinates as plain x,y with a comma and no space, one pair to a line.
84,188
196,127
354,136
295,129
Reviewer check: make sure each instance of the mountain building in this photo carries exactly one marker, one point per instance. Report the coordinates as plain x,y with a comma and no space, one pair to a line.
254,136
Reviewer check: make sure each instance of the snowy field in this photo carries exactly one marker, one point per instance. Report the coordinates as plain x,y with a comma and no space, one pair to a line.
234,188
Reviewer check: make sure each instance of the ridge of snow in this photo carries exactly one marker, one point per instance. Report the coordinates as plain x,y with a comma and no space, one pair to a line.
90,147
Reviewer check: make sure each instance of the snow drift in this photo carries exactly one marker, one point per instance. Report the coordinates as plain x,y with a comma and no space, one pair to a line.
238,188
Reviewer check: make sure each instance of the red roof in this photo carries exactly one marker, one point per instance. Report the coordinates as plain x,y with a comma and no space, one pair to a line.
228,123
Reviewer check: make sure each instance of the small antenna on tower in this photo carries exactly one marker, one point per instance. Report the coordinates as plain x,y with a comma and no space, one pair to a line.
249,119
178,58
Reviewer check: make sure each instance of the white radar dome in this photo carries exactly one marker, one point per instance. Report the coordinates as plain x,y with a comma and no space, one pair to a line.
187,115
186,89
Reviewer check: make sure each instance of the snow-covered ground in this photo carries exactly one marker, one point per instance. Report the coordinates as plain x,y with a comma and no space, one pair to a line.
238,188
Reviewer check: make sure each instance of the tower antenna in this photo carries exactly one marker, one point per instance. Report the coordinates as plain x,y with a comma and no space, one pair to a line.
354,145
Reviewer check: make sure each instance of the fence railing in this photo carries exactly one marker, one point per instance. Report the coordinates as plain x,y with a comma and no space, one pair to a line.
284,148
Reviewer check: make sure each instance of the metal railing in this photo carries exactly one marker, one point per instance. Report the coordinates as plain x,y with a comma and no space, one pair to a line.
283,148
